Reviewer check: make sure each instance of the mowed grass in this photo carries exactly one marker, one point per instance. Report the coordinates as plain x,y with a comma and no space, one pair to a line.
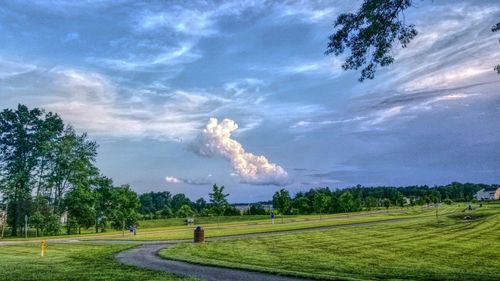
300,222
71,262
423,249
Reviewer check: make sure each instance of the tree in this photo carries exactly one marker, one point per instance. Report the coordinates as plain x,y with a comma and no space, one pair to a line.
184,211
321,202
23,135
80,205
103,202
282,202
178,201
370,34
200,205
257,209
496,28
124,207
346,201
387,204
370,202
73,165
218,201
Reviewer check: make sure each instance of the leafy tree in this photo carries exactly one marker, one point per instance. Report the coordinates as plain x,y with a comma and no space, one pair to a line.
167,212
346,201
387,204
200,204
218,201
257,209
80,205
301,204
370,34
23,134
74,160
178,201
184,211
282,202
232,211
103,202
43,218
370,202
321,202
125,202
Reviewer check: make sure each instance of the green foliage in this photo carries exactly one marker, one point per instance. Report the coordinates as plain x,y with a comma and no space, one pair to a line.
321,202
387,203
80,205
346,201
124,207
370,34
167,212
24,138
218,201
282,201
256,209
185,211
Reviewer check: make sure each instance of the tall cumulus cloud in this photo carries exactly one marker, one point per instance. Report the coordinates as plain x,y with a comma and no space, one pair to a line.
215,139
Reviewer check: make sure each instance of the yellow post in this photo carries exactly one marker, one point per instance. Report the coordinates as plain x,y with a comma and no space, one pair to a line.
43,248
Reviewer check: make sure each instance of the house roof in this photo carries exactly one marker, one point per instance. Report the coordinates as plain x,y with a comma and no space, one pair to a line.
489,189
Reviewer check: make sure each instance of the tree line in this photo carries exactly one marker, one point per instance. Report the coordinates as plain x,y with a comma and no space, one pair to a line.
324,200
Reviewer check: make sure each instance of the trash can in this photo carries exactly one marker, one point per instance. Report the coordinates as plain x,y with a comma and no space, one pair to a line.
199,235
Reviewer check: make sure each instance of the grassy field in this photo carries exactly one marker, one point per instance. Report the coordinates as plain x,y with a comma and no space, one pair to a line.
450,248
300,222
70,262
175,224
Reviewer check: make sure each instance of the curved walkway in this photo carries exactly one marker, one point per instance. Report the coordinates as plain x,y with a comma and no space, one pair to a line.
146,256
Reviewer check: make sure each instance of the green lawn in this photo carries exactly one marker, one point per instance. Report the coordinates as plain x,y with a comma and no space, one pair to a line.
300,222
70,262
421,249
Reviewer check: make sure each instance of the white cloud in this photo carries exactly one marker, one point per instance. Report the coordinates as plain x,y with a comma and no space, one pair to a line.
175,180
215,139
170,179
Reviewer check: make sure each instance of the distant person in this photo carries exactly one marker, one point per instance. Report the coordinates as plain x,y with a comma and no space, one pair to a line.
135,229
272,217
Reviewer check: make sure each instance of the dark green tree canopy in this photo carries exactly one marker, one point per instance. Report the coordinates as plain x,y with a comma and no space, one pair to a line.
370,34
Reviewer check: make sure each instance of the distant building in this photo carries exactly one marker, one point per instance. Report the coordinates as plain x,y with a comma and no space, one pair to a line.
490,193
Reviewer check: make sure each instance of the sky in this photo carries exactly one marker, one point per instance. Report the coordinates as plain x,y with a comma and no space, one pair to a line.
184,94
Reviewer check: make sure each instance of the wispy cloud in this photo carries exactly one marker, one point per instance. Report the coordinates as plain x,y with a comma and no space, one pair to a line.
176,180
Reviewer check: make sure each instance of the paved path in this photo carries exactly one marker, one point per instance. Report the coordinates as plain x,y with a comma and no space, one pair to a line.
146,256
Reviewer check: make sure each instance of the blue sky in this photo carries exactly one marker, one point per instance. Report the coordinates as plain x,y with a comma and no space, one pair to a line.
145,79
